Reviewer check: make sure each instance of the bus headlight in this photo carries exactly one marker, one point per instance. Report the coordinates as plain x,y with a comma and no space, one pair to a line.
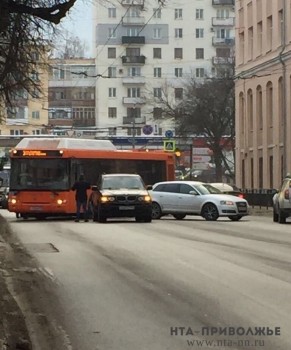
60,201
13,201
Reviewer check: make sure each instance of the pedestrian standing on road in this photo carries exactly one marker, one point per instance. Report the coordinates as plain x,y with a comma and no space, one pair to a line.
81,188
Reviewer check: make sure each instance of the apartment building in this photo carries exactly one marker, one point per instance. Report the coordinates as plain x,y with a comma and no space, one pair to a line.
71,95
263,87
29,112
146,53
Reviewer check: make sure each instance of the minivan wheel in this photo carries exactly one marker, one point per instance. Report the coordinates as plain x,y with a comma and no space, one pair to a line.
210,212
281,217
156,211
275,215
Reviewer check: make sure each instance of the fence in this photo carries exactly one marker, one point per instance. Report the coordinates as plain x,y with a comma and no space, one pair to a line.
260,198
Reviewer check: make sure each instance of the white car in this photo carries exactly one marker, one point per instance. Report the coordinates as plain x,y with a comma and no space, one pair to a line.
181,198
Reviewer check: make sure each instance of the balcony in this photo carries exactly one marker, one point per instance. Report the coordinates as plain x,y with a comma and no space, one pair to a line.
131,120
222,60
133,21
134,100
223,22
133,59
133,40
222,41
137,80
223,2
132,2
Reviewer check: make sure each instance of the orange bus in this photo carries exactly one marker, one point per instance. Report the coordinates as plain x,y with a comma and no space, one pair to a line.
43,171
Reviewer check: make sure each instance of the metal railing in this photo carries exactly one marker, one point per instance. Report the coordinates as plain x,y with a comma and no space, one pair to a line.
259,197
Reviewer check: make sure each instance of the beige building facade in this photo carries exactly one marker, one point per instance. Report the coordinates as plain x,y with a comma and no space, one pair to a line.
263,91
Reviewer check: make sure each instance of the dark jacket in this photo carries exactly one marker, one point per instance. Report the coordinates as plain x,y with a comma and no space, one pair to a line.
81,188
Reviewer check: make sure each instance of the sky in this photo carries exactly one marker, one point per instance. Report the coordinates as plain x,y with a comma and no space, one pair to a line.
79,22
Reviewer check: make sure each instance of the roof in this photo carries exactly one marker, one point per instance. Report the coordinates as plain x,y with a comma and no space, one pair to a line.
64,143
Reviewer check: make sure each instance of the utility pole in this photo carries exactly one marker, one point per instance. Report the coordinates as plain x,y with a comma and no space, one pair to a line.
133,129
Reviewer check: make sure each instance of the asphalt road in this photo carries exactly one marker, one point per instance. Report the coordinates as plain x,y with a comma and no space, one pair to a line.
136,286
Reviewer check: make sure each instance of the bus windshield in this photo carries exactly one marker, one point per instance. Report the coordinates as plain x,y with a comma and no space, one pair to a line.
39,174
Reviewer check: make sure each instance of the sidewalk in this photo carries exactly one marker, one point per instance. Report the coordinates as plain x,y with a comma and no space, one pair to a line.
13,330
261,211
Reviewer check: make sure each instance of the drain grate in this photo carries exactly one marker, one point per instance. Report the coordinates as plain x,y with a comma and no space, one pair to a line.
42,248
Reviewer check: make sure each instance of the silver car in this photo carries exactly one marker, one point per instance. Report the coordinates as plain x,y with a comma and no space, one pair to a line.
181,198
282,202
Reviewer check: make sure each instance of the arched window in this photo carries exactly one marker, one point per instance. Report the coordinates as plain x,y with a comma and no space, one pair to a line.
250,110
269,104
241,113
259,107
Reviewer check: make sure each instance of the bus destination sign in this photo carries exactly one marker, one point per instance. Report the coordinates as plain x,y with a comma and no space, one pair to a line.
37,153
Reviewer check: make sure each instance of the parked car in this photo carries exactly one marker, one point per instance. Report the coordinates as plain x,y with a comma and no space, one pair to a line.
228,189
181,198
4,190
206,175
122,195
282,202
179,175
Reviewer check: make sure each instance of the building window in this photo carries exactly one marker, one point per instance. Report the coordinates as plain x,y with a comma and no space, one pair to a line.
178,13
259,38
178,93
36,132
157,13
200,72
178,72
132,32
157,72
199,33
269,33
157,113
157,53
133,92
271,169
158,92
178,53
243,172
35,115
250,43
178,33
270,104
157,33
112,33
250,110
199,54
112,112
112,72
261,172
199,13
281,26
259,107
16,132
112,12
111,52
242,113
112,92
134,72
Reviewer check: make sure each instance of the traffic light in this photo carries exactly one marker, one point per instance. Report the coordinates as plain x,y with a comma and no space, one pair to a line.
178,153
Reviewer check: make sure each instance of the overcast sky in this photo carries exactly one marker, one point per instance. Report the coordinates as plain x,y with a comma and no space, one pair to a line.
79,22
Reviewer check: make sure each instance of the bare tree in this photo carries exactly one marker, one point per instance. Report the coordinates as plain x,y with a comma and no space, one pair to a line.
69,46
209,111
25,31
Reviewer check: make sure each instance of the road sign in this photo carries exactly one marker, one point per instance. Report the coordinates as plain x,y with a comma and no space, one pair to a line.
170,145
147,129
169,133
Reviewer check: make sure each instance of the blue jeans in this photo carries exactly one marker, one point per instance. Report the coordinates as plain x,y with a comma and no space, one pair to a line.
81,206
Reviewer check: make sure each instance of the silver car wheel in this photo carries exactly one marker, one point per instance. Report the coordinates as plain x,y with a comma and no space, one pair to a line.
210,212
156,211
